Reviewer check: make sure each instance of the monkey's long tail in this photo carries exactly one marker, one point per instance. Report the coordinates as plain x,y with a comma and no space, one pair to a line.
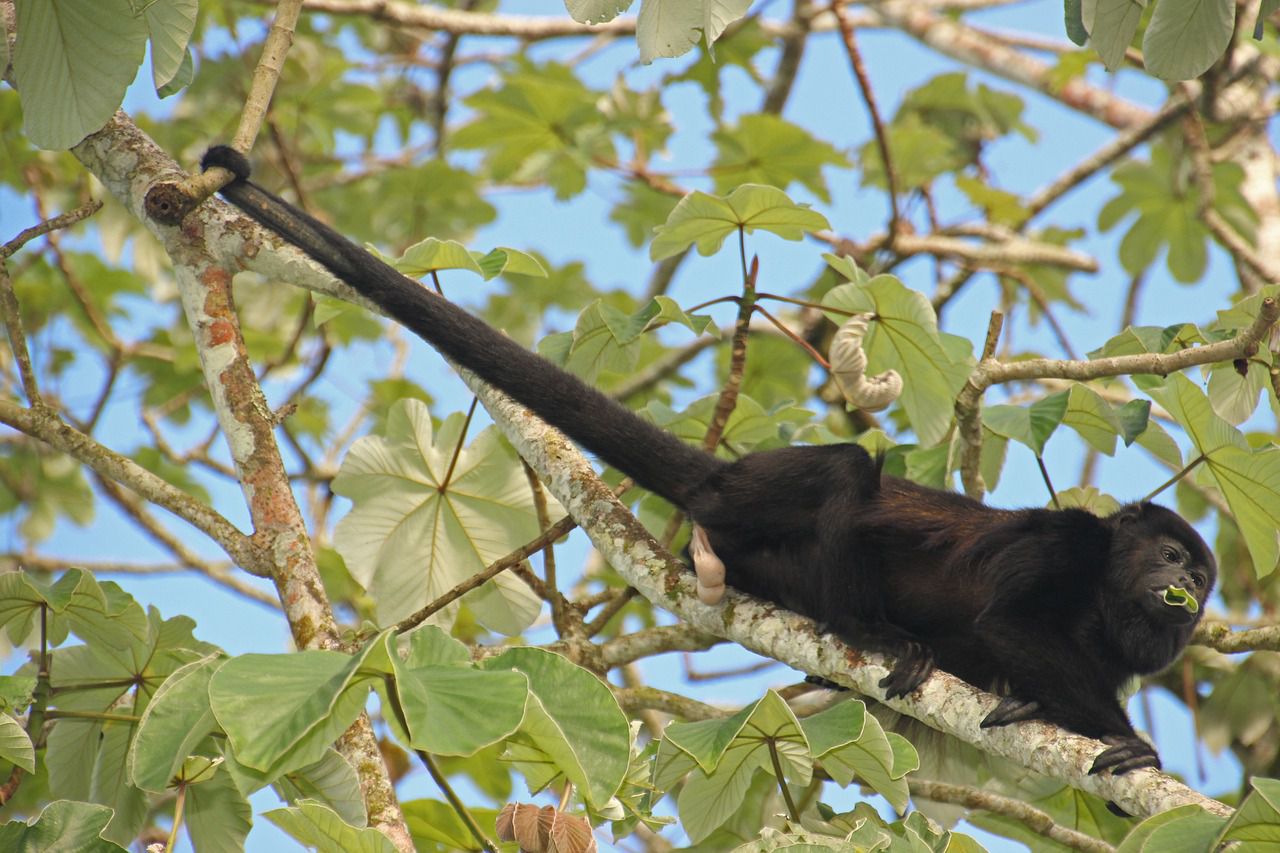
656,459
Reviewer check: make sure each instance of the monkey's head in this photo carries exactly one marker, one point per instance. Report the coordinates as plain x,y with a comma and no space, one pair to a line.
1160,575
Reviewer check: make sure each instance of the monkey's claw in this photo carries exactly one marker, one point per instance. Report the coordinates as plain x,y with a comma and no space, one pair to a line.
909,671
1125,753
1011,710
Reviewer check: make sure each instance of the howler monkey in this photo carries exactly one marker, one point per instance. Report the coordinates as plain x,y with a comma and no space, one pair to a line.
1055,610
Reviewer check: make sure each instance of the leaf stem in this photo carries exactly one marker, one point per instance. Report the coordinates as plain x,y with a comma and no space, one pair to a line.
177,818
1044,474
1176,477
457,450
455,801
782,782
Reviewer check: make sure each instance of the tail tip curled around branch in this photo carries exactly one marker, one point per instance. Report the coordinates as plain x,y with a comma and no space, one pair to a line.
228,158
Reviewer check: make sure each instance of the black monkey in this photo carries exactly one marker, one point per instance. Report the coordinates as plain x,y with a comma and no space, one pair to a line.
1054,609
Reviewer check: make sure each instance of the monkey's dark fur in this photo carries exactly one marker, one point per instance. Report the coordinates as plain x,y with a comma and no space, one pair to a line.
1056,610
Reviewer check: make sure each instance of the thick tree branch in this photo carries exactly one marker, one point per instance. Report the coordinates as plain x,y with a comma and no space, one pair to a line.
128,163
651,641
943,702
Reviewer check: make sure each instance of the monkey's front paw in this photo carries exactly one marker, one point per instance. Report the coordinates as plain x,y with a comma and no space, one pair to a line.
1125,753
912,667
1011,710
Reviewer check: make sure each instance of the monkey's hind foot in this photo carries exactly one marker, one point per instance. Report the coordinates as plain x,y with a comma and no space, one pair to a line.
913,666
1125,753
1011,710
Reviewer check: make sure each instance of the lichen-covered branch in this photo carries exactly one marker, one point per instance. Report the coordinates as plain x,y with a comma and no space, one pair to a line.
1220,637
128,163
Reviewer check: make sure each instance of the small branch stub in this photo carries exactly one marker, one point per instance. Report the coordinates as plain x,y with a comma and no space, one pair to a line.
849,367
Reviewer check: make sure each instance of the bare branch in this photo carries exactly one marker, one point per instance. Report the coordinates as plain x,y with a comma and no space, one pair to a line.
222,573
1220,637
1008,249
991,372
43,424
651,641
1031,817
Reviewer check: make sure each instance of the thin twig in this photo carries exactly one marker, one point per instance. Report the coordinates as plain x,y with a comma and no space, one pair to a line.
1034,819
554,597
552,533
738,352
869,97
43,425
57,223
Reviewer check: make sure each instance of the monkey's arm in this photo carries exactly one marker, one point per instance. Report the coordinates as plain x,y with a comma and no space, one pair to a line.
1052,678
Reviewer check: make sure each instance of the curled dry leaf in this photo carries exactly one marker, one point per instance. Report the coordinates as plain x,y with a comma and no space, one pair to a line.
544,830
849,366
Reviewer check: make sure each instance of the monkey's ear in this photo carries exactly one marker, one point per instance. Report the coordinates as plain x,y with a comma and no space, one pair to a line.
1127,514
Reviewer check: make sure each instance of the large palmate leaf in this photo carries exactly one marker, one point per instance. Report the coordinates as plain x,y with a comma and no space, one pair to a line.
1029,425
1256,824
282,712
1249,479
572,725
170,24
73,61
903,336
1111,25
724,755
540,124
428,514
1185,37
595,11
705,220
176,720
96,612
768,149
853,745
1184,828
63,825
322,828
15,745
438,694
607,338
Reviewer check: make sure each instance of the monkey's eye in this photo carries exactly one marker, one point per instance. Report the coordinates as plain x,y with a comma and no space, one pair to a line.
1198,580
1171,555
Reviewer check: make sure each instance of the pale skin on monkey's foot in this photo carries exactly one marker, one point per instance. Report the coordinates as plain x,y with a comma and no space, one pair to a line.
707,566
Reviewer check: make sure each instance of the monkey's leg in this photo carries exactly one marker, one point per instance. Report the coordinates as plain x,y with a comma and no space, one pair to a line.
854,594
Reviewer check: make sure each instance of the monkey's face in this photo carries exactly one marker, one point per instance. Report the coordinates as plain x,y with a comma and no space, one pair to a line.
1177,582
1162,565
